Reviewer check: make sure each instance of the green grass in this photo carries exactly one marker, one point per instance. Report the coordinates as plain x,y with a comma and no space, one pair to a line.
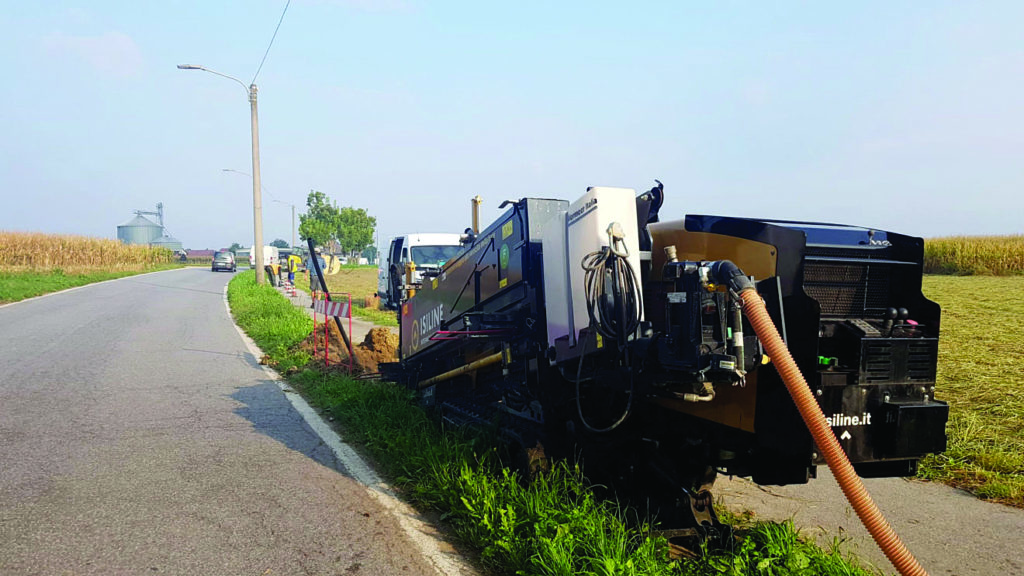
967,255
15,286
552,525
375,315
270,320
980,375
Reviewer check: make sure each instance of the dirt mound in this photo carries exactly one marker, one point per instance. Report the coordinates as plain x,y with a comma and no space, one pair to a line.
380,345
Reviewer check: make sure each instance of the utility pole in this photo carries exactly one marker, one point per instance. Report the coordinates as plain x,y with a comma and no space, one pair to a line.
257,199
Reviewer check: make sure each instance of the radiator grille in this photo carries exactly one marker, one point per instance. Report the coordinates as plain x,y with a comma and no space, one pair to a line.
848,289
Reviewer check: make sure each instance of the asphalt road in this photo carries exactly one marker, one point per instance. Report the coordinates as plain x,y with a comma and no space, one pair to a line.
138,434
950,532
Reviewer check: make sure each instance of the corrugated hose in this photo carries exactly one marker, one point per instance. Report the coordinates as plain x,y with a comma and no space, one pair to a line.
842,469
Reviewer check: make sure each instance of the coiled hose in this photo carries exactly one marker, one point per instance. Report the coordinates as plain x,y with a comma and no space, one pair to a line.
598,267
849,481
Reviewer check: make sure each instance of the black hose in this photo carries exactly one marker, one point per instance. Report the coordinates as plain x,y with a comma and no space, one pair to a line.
598,265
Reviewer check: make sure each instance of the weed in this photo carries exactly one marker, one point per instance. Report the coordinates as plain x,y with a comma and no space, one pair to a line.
270,320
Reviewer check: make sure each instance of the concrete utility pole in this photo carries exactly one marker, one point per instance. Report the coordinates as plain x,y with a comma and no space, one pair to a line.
257,200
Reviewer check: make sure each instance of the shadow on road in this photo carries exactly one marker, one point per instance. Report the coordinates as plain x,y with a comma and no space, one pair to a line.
273,415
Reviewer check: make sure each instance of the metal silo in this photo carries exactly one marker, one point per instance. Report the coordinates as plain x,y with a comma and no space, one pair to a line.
139,230
169,242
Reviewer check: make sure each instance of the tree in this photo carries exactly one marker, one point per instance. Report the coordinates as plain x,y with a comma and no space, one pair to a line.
235,247
278,243
320,220
351,227
355,229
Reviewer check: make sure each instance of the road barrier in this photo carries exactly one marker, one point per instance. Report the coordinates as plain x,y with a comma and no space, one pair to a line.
335,309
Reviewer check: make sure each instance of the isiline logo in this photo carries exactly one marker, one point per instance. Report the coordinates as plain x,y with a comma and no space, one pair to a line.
846,420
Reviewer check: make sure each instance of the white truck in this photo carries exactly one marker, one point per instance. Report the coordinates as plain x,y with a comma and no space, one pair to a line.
271,263
428,251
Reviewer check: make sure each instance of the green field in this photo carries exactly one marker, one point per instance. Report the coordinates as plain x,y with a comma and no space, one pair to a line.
981,375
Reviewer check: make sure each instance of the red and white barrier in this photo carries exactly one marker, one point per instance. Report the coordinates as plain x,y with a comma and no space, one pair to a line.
340,309
329,308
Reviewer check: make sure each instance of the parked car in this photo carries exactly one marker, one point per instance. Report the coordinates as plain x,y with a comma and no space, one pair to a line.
224,260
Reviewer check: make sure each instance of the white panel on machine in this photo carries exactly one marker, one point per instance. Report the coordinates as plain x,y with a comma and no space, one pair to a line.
568,239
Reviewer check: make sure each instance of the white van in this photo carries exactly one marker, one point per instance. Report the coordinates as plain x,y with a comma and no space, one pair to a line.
271,264
270,256
428,251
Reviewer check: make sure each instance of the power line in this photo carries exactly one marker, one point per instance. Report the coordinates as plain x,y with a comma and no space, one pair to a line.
283,12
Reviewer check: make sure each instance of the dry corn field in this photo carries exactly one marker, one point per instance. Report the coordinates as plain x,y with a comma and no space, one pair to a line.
35,252
970,255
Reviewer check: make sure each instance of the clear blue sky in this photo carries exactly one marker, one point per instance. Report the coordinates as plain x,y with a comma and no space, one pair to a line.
901,116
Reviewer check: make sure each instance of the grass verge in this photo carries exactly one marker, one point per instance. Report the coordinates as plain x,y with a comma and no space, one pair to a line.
15,286
980,360
552,525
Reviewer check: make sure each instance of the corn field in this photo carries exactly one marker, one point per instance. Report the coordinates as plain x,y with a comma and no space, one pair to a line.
36,252
970,255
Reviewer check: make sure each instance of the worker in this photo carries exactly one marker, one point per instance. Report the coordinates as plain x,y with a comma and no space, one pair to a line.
293,265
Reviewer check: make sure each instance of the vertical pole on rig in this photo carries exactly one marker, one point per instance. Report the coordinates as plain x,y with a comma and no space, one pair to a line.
476,201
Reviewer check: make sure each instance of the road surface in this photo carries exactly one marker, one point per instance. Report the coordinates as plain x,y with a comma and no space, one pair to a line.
950,532
138,434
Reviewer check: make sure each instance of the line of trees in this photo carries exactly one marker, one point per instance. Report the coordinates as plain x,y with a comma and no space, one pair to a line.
350,229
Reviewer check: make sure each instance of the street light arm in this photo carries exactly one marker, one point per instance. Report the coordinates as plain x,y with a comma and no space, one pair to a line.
204,69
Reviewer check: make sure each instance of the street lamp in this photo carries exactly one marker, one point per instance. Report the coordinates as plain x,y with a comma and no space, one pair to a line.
257,203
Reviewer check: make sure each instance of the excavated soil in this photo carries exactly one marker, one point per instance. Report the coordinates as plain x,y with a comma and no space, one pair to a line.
380,345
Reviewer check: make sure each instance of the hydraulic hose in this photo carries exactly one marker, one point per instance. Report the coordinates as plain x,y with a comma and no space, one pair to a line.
849,481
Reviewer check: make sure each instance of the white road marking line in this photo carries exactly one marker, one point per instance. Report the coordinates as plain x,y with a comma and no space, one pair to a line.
419,532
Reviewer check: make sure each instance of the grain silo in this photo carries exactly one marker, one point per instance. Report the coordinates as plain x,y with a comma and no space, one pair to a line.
139,230
169,242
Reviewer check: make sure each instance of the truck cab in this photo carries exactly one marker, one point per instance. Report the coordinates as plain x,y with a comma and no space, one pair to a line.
429,252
